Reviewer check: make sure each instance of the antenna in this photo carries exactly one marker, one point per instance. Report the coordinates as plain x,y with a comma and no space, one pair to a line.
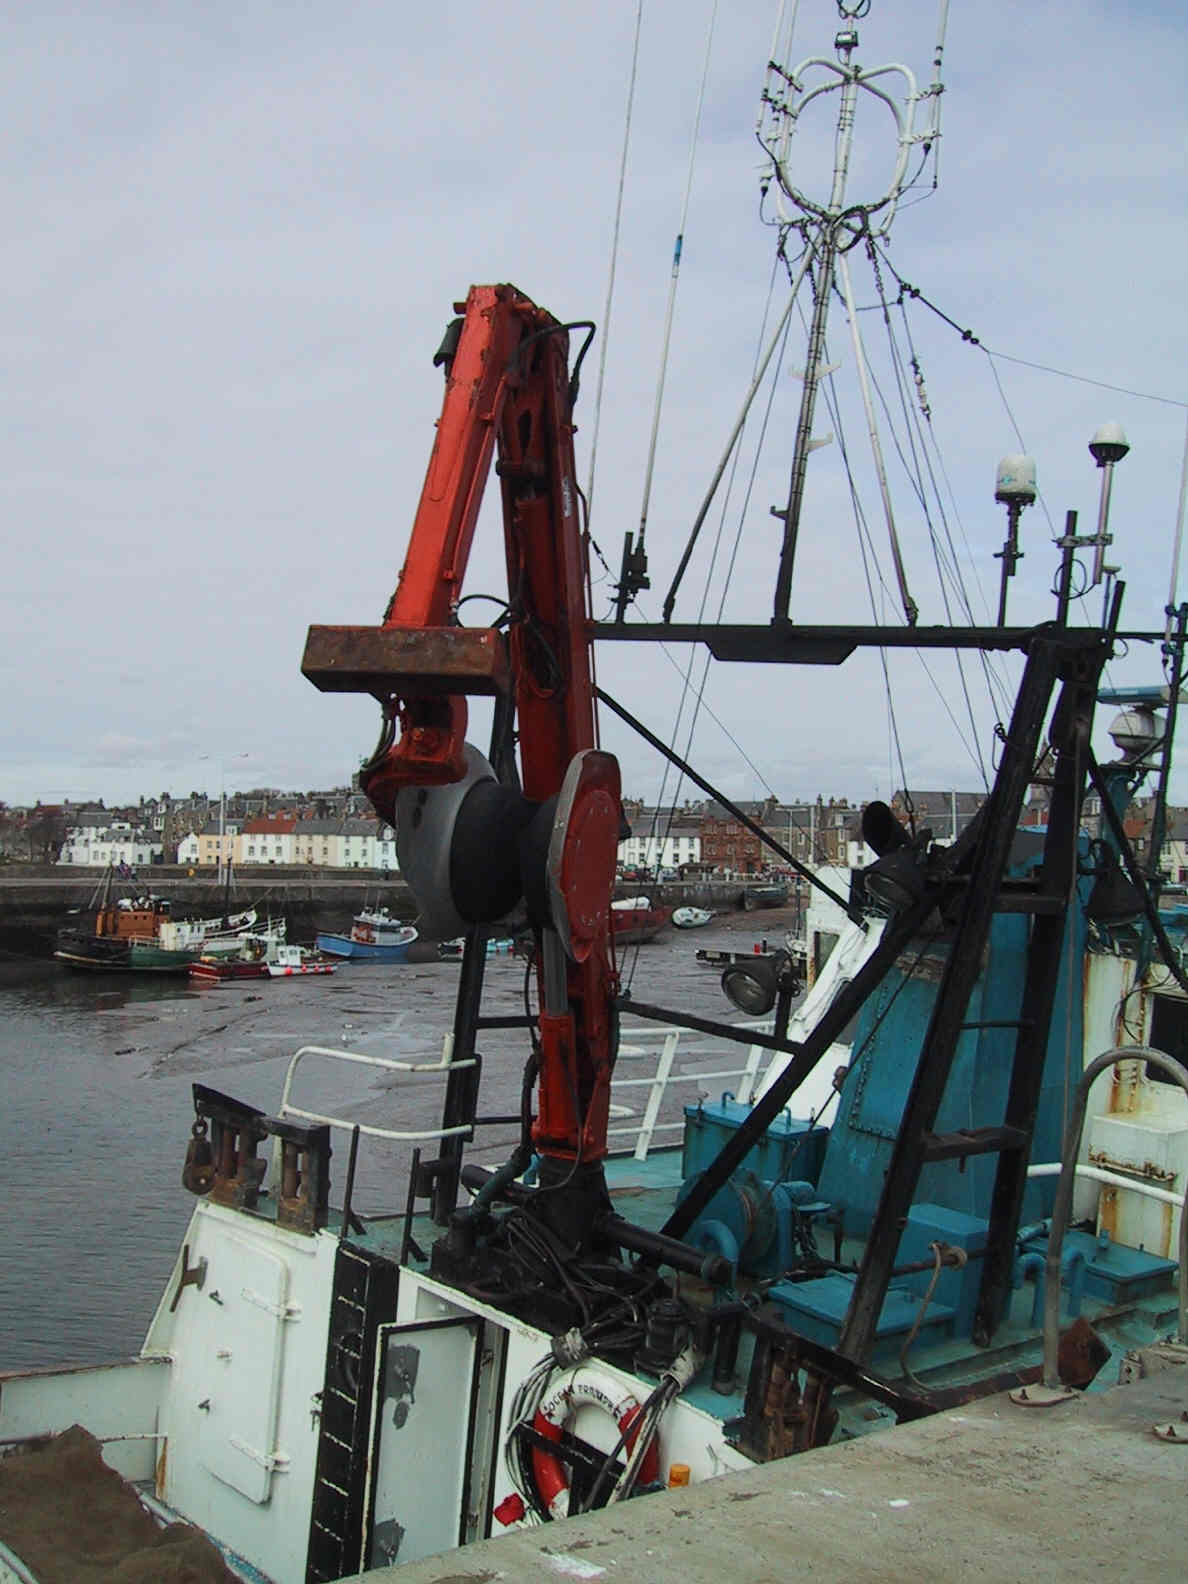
1014,488
1108,446
828,228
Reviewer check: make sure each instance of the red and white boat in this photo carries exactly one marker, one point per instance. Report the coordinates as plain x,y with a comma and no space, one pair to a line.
262,957
250,961
634,919
293,960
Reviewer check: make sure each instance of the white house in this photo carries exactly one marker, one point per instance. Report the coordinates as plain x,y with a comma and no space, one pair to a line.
314,842
357,844
98,840
385,849
268,839
656,842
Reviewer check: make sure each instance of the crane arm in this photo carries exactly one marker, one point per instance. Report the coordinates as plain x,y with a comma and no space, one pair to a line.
508,390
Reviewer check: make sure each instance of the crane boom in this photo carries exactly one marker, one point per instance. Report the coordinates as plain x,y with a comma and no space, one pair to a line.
508,395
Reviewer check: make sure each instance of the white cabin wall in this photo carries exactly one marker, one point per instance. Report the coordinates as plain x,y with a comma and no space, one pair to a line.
223,1336
1133,1122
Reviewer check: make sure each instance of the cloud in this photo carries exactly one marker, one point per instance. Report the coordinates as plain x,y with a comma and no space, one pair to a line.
233,240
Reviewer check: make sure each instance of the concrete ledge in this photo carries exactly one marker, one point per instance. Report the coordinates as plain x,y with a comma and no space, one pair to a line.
991,1491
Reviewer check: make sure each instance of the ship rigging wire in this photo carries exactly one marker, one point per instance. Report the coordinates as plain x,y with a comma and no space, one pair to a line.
674,279
614,260
759,364
699,693
911,431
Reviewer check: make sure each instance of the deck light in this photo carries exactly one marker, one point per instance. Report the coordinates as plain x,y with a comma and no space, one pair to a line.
753,987
896,878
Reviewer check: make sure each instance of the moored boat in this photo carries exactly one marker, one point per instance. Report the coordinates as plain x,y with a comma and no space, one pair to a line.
248,960
765,894
634,920
691,917
292,961
140,935
376,936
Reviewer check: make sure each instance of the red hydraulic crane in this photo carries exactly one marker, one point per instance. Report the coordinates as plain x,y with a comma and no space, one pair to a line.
509,392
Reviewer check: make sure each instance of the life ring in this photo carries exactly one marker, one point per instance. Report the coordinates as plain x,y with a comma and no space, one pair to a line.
555,1413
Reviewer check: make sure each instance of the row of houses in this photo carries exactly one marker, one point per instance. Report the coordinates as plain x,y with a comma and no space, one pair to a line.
702,838
709,836
274,839
283,839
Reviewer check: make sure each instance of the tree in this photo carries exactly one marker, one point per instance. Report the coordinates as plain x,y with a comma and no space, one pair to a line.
45,834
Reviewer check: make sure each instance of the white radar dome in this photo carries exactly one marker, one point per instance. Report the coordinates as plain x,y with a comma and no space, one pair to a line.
1136,730
1015,480
1109,444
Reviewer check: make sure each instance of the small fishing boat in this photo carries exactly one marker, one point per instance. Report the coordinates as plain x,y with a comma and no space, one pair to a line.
497,946
292,961
376,936
690,917
140,935
634,919
770,894
248,960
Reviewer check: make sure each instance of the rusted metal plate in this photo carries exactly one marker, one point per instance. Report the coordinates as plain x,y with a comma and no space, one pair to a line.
971,1141
1082,1353
407,662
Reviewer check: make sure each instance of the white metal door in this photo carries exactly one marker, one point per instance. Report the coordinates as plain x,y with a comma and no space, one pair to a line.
422,1429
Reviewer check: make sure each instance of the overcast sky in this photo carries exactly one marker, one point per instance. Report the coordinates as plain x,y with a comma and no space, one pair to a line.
234,236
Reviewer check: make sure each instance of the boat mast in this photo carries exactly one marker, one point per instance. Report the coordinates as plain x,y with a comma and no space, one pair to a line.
827,232
825,250
222,828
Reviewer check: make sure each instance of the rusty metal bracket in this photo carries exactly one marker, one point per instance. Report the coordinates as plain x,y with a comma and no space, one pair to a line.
411,662
1041,1396
303,1191
191,1276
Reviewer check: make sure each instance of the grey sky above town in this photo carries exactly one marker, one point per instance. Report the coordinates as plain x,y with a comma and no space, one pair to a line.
235,234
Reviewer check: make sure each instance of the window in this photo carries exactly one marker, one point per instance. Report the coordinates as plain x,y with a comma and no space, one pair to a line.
823,943
1169,1033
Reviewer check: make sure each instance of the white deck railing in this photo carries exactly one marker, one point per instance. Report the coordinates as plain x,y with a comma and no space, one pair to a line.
666,1040
445,1066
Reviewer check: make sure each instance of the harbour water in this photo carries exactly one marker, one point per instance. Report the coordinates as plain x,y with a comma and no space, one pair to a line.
95,1108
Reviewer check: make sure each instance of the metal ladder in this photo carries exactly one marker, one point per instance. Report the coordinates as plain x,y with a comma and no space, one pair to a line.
1076,668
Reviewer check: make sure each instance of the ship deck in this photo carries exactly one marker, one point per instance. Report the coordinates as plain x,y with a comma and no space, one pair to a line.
644,1192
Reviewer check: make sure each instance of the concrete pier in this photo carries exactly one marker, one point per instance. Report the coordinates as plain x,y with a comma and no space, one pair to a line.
991,1492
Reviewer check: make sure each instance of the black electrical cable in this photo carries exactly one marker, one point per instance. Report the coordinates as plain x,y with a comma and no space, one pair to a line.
640,1423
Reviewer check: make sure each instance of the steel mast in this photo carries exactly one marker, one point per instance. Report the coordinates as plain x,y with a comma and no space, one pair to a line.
829,230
